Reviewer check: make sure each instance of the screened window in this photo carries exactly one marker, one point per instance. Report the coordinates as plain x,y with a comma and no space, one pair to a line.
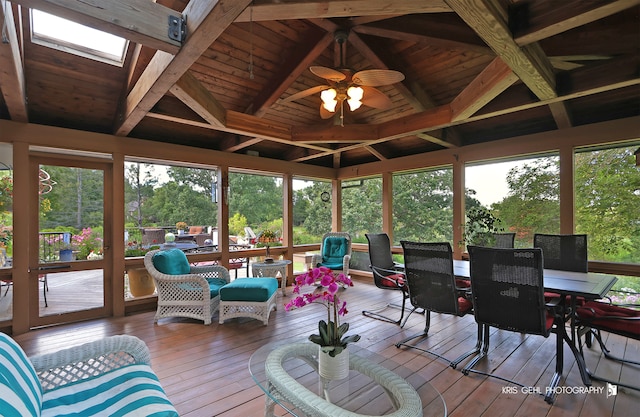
607,203
522,195
423,206
162,199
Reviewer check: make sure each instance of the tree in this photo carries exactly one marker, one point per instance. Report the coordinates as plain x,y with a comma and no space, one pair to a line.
139,185
608,202
76,198
532,204
257,197
317,214
423,206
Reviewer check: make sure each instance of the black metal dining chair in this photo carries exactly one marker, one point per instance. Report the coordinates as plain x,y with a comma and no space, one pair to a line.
595,317
504,240
508,293
387,275
563,252
432,287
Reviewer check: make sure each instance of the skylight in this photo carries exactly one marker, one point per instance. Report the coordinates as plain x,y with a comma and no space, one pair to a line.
65,35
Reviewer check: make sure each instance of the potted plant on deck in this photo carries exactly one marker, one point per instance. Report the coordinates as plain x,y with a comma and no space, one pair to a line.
333,355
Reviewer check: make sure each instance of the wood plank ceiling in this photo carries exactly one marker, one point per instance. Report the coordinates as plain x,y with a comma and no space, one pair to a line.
475,71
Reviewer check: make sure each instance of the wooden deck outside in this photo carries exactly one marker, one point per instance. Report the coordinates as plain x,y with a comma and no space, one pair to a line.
204,368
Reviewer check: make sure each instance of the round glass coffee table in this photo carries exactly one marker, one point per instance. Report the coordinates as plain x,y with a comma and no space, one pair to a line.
376,386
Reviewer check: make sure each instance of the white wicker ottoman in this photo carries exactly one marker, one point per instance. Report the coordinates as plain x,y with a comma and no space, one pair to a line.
248,297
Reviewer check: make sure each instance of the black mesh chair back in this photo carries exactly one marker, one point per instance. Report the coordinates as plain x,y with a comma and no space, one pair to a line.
387,275
508,289
508,293
432,287
429,271
563,252
504,240
381,260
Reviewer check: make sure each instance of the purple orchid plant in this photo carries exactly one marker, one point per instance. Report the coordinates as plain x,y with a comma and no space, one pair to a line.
331,335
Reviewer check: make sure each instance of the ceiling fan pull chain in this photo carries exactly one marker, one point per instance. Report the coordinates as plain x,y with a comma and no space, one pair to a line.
251,41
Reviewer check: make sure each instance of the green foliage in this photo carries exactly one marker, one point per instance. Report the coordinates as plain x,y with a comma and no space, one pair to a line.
423,206
608,203
76,198
316,214
331,337
480,226
532,204
257,197
362,208
237,223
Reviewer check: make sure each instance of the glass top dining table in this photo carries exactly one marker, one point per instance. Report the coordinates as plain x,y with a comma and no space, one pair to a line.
376,386
571,285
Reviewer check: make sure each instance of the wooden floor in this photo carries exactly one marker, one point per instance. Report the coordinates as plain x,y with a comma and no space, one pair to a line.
204,368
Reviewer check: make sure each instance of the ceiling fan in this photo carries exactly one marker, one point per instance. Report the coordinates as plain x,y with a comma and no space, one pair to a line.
356,88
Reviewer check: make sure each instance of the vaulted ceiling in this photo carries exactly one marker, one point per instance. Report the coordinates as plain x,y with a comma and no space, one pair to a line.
475,71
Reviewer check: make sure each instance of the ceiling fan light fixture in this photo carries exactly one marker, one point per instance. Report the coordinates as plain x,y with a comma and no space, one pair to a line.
329,101
355,96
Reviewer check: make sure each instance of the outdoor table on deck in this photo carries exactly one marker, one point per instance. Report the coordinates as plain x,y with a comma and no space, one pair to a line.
376,386
270,269
590,285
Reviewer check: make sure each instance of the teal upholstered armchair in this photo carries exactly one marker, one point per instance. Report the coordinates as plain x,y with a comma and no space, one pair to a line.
335,252
185,290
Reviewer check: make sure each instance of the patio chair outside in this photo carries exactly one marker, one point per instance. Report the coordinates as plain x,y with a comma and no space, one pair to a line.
432,287
335,252
185,290
508,293
387,275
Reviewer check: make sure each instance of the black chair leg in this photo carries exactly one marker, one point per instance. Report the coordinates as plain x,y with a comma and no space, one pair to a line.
454,363
376,314
424,333
481,354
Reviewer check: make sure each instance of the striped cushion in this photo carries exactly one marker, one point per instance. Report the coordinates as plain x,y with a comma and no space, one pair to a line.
132,390
20,391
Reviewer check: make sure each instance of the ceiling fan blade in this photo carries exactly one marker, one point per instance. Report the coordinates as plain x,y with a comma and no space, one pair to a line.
375,98
328,73
376,77
304,93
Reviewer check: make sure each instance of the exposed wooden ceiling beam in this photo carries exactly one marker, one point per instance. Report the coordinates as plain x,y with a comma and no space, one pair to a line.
375,153
321,9
299,62
492,81
11,72
141,21
414,30
561,115
438,140
489,20
547,18
206,21
380,63
192,93
241,145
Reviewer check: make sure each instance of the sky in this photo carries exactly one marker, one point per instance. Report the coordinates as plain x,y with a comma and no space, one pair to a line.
489,180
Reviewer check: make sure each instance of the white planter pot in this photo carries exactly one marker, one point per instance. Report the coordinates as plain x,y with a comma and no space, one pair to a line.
333,367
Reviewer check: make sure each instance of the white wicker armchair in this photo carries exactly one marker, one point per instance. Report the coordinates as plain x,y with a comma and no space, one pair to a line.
318,259
187,295
109,376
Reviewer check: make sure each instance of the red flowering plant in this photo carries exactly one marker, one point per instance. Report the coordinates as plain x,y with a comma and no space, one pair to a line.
331,335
